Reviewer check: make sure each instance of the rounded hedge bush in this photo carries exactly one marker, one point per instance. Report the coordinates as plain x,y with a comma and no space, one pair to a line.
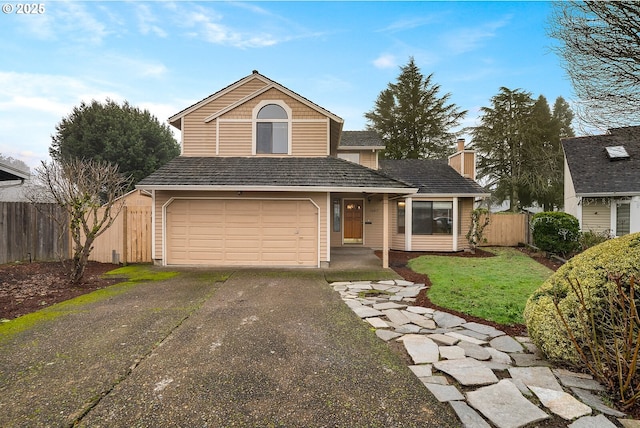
556,232
590,271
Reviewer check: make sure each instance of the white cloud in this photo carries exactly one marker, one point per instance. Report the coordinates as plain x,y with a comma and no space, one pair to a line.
462,40
206,24
385,61
33,104
147,21
69,21
408,24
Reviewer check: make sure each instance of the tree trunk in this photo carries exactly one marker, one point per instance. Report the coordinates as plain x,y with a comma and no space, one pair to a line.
80,260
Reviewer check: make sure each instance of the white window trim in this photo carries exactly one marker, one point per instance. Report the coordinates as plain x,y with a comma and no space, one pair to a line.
254,121
614,215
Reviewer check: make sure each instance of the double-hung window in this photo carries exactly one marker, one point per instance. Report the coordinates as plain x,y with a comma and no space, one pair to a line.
272,130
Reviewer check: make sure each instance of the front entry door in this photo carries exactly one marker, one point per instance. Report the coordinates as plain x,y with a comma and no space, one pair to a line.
353,221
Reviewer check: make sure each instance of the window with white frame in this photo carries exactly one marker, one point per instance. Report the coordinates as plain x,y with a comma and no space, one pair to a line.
427,218
623,219
272,130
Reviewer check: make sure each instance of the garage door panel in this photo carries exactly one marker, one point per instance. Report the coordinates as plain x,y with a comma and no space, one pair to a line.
242,232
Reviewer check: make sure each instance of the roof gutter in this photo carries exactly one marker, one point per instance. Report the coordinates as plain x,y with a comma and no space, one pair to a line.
253,188
361,147
607,194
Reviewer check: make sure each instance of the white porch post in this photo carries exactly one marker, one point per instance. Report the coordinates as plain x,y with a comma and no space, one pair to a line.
385,231
454,219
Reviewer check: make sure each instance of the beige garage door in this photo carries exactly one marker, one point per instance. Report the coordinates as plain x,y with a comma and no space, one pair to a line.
217,232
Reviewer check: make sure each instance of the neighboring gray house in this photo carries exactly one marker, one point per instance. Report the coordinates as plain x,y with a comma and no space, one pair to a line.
12,182
602,181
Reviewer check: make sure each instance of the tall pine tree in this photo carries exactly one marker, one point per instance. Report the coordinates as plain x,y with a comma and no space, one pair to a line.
501,141
519,148
412,118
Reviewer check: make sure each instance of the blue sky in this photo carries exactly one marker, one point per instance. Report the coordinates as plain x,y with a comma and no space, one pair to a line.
164,56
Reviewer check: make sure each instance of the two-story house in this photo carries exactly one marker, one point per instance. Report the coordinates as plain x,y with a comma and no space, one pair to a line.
268,178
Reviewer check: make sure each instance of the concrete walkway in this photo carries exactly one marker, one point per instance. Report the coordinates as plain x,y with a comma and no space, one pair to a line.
458,361
262,348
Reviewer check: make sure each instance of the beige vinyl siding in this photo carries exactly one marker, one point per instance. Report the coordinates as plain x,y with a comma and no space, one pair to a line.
163,196
369,158
397,241
299,110
432,243
455,162
309,139
236,139
596,216
470,165
464,212
373,226
198,137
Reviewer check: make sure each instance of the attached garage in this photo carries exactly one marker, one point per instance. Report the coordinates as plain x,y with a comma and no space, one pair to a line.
242,232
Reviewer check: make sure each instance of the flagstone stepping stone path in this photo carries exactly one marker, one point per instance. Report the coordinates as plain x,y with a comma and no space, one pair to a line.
489,378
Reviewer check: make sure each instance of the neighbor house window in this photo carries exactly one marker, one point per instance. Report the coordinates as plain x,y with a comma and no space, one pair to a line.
272,130
401,211
623,219
431,218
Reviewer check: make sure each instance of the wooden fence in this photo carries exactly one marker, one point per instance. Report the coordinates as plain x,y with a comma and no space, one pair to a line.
32,232
128,240
507,230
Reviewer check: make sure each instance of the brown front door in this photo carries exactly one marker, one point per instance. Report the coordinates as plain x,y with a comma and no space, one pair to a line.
353,221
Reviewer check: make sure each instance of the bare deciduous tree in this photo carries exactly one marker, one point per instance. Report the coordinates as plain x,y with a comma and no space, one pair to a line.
88,191
600,49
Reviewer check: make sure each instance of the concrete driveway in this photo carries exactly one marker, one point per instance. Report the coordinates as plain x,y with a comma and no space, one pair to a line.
263,348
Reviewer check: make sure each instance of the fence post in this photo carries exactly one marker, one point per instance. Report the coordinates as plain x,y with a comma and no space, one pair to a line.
125,239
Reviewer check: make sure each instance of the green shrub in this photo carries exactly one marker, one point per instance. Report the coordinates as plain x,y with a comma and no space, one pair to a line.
555,232
589,276
590,238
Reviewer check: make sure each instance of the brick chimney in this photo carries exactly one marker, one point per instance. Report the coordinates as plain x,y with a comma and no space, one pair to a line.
464,161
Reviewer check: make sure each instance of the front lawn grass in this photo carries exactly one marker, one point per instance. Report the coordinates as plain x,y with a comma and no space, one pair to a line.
492,288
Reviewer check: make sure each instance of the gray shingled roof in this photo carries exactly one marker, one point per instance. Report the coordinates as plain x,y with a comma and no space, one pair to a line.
593,173
356,139
431,176
324,172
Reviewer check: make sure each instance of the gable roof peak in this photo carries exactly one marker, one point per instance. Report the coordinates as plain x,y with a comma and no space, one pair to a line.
175,119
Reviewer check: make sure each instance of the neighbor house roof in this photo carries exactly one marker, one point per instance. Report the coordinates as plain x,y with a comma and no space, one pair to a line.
10,173
359,140
595,173
271,173
431,176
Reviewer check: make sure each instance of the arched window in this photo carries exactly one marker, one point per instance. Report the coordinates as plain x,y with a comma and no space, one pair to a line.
272,130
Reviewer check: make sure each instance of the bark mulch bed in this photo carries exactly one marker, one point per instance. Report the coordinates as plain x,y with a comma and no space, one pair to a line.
28,287
398,262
